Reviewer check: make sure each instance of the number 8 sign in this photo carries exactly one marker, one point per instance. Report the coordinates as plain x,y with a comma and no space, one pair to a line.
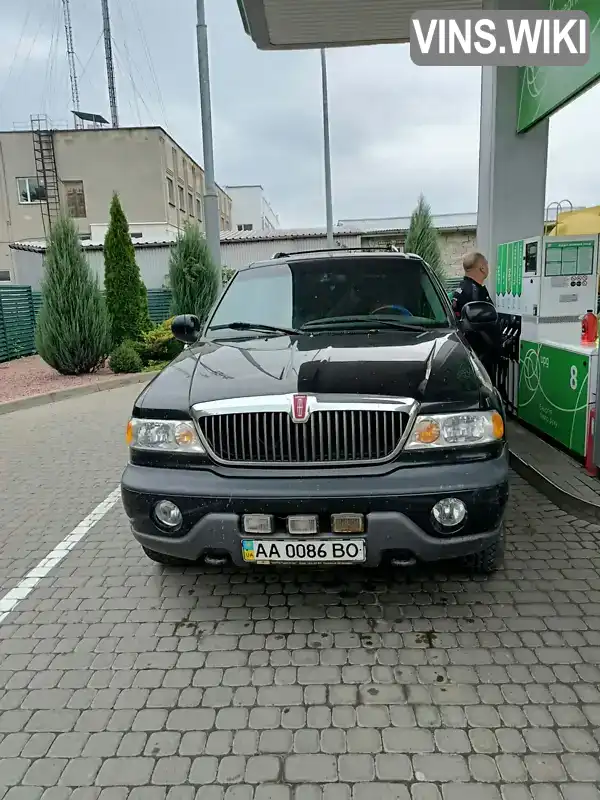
573,378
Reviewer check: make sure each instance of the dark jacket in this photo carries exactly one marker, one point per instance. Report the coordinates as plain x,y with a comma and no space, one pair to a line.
487,344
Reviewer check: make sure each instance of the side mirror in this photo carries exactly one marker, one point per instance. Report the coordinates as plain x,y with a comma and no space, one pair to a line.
479,314
186,328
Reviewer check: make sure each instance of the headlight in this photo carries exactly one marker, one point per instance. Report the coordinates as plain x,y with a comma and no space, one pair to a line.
456,430
173,436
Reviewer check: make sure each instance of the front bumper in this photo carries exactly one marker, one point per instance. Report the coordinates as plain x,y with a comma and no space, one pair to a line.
397,507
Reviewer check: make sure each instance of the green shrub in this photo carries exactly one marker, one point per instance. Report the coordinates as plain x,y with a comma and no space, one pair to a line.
159,344
422,238
227,274
125,358
193,276
155,366
126,295
72,332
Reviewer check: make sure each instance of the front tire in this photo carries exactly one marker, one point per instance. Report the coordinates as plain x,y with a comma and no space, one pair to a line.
162,558
487,561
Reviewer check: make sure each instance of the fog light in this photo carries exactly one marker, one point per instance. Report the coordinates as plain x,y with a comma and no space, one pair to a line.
258,523
168,514
347,523
449,513
303,524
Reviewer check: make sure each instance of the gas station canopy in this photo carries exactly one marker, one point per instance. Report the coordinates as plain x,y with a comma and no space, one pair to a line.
305,24
545,284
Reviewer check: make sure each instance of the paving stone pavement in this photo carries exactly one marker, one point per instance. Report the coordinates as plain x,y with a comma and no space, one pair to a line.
57,462
119,679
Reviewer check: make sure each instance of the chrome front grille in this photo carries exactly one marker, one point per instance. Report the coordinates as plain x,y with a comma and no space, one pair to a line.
329,436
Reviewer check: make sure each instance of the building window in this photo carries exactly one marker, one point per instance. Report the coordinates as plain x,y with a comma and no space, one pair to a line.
30,190
199,209
240,227
174,155
4,276
190,204
193,178
171,191
248,227
75,199
181,198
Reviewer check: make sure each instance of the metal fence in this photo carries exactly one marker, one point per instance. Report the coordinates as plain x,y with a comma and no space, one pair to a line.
159,305
452,284
19,307
17,322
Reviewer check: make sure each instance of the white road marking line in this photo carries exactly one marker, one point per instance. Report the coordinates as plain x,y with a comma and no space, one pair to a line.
12,598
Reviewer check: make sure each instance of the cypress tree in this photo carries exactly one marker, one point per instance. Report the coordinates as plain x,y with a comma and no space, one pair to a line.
193,276
423,240
126,295
72,331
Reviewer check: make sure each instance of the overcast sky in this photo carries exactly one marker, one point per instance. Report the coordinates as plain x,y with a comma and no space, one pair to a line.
397,129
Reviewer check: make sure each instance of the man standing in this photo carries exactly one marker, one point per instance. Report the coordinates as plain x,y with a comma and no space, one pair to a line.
486,344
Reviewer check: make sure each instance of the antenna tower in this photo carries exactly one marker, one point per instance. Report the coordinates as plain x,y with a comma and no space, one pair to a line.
110,70
71,59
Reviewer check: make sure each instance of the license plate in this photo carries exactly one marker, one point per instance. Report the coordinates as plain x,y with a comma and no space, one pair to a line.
312,551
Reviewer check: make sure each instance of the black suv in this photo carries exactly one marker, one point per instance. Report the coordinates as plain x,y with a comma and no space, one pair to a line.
330,411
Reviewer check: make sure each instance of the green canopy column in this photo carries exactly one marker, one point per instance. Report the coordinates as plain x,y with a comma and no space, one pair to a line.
512,166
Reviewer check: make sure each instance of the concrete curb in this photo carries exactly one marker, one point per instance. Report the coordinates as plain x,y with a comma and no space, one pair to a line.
567,502
76,391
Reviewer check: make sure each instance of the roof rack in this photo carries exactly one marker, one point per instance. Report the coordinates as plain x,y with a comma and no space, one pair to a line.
389,249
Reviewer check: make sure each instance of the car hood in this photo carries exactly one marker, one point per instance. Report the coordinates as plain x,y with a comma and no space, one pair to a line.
434,367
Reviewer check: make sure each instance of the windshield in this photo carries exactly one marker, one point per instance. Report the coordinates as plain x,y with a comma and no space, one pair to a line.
366,288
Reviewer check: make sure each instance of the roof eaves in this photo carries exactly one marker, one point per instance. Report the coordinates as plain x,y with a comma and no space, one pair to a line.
444,229
284,234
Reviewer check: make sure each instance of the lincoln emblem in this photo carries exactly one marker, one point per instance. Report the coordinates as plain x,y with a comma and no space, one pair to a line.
299,407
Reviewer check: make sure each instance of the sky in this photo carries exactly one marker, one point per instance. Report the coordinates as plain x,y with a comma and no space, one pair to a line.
397,130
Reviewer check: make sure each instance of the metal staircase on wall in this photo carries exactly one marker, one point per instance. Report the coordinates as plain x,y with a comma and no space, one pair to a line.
46,170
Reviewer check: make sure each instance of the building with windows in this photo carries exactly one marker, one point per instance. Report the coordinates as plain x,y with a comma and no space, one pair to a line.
251,209
44,171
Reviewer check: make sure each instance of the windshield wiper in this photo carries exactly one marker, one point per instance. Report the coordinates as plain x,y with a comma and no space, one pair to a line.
254,326
369,322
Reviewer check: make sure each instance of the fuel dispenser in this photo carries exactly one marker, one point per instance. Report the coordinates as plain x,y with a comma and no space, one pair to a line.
549,283
530,303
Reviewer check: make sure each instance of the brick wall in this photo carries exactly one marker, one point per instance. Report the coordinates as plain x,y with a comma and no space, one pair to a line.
454,247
